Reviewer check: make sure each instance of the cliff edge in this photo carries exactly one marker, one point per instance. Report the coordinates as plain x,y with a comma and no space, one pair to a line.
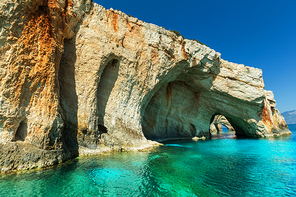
76,78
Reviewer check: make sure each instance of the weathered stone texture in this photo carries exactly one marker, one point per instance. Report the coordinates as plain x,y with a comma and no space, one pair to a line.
32,34
77,78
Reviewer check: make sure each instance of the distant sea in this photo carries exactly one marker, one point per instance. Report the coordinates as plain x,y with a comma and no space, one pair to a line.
219,167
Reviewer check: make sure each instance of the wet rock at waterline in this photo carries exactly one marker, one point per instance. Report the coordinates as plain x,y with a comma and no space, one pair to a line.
79,79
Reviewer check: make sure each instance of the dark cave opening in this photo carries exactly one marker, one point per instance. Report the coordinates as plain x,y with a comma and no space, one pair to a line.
102,129
21,132
231,125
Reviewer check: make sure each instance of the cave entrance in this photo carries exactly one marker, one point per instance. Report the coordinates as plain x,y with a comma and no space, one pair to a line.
21,132
225,127
171,113
220,124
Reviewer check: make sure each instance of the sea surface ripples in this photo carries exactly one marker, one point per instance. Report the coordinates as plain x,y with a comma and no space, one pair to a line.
220,167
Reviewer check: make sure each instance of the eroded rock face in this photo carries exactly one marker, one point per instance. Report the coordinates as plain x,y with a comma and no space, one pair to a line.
32,34
78,78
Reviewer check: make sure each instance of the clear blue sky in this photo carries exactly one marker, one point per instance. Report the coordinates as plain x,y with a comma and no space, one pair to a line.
257,33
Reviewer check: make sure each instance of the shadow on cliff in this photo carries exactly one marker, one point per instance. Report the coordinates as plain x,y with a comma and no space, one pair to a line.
105,87
68,97
73,135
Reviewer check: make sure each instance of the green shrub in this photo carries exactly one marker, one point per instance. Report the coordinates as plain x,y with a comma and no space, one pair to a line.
200,42
176,32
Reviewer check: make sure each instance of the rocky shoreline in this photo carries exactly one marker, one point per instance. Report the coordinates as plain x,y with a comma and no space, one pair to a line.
76,78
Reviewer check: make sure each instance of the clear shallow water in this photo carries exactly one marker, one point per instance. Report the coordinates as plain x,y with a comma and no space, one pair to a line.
219,167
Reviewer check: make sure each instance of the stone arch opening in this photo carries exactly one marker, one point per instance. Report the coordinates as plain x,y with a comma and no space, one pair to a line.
218,122
231,123
106,84
182,110
174,110
182,105
21,132
166,116
240,126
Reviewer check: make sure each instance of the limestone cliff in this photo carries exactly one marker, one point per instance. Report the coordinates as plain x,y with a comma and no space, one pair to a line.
76,78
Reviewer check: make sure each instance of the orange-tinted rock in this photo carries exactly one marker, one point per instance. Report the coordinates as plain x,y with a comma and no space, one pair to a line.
79,79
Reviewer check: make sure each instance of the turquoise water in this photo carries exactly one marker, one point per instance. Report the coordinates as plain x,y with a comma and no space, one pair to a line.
218,167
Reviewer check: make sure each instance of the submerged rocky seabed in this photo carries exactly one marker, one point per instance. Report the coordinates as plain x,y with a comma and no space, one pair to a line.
218,167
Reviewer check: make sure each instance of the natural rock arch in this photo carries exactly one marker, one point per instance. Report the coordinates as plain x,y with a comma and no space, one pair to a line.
173,111
216,124
218,119
169,115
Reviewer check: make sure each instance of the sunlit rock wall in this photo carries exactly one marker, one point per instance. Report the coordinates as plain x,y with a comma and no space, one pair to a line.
78,78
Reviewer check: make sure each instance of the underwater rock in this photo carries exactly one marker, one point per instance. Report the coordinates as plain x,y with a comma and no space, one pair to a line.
79,79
